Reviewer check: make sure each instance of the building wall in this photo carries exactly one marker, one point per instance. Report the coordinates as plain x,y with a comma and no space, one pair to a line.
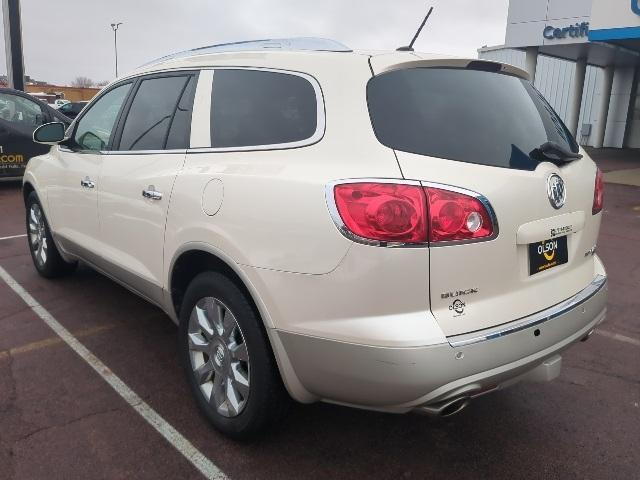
610,14
634,128
619,107
554,79
527,20
74,94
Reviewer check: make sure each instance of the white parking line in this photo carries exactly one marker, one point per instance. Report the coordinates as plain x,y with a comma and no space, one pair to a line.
620,338
13,236
175,438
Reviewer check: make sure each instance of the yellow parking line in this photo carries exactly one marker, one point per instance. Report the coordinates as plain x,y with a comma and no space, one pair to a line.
47,342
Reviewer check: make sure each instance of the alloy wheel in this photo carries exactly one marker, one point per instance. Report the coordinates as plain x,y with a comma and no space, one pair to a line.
38,235
219,357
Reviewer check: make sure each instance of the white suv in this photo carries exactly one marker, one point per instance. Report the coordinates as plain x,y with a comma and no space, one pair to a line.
393,231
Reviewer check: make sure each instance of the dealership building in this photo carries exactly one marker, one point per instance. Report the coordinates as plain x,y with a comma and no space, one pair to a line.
584,56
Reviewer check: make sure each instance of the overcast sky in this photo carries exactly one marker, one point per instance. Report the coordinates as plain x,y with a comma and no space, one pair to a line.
64,39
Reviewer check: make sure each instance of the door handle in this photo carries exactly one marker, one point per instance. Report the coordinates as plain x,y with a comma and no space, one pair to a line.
87,183
151,193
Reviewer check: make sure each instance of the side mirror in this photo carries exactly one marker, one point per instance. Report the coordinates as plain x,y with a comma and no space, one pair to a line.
49,133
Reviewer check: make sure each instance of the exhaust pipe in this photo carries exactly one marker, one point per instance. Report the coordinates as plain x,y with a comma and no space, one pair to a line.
456,406
446,408
587,336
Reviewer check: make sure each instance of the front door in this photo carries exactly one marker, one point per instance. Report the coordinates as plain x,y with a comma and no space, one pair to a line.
73,194
137,178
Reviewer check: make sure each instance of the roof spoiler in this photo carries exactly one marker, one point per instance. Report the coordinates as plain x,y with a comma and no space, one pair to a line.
441,62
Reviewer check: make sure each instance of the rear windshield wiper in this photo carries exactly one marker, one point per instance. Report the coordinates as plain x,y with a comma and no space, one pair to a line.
554,152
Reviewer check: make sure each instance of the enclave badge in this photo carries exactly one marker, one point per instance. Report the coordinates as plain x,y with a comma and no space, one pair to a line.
458,293
556,191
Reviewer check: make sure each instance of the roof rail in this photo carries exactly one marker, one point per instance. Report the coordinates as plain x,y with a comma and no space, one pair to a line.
284,44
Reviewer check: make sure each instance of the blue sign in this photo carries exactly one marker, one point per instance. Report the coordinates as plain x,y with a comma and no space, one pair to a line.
579,30
635,6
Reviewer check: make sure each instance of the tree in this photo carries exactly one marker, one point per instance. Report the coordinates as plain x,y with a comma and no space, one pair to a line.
102,83
82,82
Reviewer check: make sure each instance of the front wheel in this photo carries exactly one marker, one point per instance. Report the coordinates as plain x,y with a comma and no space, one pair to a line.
46,258
227,358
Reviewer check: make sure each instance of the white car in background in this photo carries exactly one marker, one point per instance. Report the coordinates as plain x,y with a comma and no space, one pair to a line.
392,231
58,102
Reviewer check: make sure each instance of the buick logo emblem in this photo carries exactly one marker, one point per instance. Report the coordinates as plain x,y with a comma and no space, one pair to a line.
556,191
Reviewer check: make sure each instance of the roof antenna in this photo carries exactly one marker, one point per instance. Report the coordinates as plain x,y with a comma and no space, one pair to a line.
409,48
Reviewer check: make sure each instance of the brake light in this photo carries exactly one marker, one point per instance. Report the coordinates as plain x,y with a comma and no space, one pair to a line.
456,216
406,213
384,212
598,193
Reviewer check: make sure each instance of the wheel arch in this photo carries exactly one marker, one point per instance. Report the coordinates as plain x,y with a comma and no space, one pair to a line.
34,181
27,188
194,258
30,185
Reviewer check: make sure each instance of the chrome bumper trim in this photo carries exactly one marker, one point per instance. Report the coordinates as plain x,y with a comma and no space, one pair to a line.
531,320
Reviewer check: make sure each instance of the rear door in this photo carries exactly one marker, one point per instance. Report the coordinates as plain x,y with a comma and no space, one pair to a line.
137,179
481,131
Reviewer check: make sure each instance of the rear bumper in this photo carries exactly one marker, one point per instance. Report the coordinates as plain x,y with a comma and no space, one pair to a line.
404,379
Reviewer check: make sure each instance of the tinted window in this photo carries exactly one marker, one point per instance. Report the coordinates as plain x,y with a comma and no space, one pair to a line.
467,115
20,111
95,127
180,130
252,108
149,117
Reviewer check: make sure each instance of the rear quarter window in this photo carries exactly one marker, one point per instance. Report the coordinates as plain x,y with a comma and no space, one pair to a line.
465,115
255,108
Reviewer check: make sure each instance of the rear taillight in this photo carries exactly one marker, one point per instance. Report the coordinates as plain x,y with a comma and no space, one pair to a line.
410,214
455,216
598,193
383,212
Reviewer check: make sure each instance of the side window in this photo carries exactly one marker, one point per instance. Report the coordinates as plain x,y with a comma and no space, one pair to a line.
260,108
20,111
150,117
180,131
96,126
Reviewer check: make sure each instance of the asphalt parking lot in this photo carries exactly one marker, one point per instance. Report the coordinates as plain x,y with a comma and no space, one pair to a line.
59,418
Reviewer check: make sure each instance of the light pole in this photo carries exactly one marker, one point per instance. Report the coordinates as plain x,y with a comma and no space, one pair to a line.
115,26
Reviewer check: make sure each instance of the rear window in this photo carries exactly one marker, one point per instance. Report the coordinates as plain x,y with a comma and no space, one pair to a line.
466,115
251,108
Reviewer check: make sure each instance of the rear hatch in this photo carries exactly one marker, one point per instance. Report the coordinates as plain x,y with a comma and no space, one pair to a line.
477,127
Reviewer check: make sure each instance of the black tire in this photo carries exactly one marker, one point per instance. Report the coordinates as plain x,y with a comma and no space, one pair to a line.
267,401
51,265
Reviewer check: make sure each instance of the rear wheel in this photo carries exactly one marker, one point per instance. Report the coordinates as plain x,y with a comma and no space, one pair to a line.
227,358
46,257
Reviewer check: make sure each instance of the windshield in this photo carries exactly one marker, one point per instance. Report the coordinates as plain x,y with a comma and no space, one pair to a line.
466,115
